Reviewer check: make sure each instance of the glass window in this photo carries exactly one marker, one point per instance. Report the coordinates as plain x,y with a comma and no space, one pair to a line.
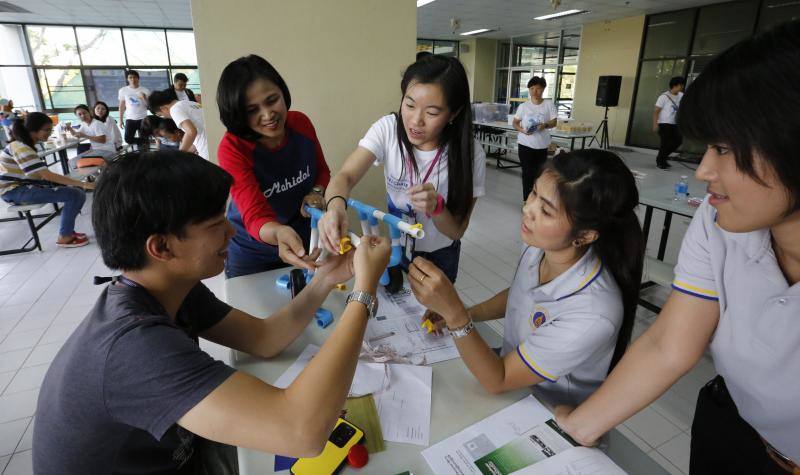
721,26
503,50
62,87
500,86
145,47
104,85
101,46
446,48
667,34
519,84
154,79
194,78
13,51
528,56
181,48
17,84
549,75
570,56
654,79
551,56
53,45
566,87
774,12
425,45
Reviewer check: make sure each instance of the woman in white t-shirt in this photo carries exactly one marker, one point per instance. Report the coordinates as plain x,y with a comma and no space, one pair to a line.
92,130
571,306
434,169
532,121
101,113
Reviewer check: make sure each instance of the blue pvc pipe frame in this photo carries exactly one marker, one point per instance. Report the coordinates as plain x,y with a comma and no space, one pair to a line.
369,217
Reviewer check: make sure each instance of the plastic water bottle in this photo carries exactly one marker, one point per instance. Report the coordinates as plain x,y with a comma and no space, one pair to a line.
682,188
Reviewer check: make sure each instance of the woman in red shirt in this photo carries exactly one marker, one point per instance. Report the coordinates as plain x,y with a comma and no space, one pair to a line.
277,165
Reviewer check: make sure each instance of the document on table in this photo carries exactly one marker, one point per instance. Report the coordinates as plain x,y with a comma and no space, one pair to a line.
520,439
397,326
402,395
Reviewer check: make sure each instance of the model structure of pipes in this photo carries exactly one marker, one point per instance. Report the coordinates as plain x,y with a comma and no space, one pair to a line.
369,217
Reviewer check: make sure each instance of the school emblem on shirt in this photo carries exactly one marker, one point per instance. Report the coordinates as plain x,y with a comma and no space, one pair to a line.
538,317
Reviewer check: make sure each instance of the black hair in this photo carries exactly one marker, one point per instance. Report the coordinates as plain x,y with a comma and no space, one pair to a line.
147,193
159,98
149,125
34,122
84,107
599,193
677,80
457,135
108,111
537,81
180,77
232,92
771,60
423,54
131,72
169,126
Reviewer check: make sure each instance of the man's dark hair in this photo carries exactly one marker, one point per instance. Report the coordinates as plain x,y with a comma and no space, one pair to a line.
763,123
143,194
232,91
180,77
131,72
537,81
423,54
677,80
158,99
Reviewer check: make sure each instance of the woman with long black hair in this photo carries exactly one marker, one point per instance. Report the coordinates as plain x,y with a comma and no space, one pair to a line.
570,310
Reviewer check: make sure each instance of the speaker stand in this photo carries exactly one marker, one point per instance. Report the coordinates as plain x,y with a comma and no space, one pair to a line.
602,129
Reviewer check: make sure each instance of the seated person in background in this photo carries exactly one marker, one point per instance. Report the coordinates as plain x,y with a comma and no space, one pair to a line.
92,130
25,178
570,310
111,128
179,89
147,131
132,392
188,116
169,135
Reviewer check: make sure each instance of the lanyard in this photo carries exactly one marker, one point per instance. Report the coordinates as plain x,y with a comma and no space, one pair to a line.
428,173
126,281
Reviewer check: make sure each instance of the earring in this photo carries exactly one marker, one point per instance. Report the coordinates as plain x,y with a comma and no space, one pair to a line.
576,243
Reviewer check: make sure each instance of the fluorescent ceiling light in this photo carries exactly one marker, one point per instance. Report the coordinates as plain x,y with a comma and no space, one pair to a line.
475,32
422,3
560,14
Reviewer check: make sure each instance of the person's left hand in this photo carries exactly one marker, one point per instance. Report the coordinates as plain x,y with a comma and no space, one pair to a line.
336,269
541,126
561,415
315,200
435,291
423,197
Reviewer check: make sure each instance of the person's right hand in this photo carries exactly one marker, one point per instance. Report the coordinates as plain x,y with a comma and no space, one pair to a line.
372,256
88,185
655,128
291,250
333,226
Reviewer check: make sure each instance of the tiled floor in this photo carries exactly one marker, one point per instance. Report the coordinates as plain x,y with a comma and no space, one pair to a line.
43,297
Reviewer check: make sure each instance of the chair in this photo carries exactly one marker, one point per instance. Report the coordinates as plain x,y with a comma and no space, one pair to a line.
24,212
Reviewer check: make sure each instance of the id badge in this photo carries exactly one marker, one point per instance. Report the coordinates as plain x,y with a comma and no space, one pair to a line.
408,241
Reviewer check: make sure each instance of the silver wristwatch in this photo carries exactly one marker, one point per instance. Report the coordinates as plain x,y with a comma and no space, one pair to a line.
368,300
462,331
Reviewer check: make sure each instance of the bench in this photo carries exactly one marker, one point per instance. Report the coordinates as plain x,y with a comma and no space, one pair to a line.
24,213
655,272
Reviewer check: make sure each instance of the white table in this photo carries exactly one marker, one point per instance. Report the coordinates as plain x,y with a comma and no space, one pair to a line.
60,152
457,399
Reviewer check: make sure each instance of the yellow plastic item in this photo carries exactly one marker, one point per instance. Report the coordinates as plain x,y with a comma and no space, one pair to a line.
345,246
416,226
427,325
344,436
341,287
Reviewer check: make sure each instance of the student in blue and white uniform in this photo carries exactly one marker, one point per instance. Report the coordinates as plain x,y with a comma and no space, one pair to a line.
737,282
570,309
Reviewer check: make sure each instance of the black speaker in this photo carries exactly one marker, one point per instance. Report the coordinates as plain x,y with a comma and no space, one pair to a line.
608,91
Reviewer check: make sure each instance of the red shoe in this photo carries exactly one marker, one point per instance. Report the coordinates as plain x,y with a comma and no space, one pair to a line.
76,241
77,234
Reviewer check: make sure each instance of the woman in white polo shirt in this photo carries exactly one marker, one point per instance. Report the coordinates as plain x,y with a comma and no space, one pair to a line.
737,282
570,310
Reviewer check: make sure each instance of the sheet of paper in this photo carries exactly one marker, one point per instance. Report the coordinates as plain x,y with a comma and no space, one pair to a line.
520,439
402,395
397,325
404,405
368,379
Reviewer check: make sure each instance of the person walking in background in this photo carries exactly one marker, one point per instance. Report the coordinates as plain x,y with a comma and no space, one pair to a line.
664,120
132,106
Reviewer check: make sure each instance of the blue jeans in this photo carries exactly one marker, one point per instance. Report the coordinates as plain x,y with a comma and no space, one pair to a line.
73,199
